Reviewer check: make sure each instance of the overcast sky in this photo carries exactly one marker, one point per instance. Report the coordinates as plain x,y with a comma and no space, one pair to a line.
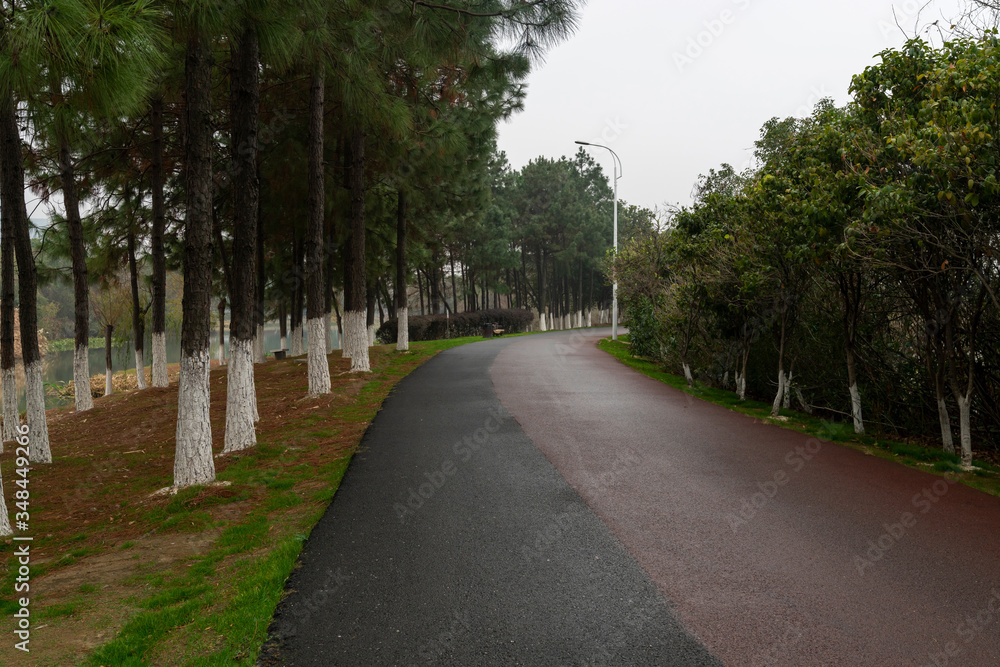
677,88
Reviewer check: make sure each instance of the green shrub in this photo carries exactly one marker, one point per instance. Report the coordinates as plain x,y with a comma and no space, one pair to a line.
437,327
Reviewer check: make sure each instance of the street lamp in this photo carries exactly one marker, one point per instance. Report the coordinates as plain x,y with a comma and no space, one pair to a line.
614,292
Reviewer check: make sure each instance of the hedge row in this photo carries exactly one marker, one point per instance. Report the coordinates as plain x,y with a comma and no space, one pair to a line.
436,327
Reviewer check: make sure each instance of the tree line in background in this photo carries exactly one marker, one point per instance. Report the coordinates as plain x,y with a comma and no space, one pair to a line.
855,269
271,153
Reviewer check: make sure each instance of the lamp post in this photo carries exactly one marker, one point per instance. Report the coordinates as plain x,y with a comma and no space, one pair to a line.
614,292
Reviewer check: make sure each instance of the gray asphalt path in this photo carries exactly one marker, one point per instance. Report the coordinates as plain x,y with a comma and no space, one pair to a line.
454,541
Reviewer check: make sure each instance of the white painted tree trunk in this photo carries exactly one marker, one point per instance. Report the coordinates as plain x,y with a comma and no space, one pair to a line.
781,394
965,429
221,355
590,321
328,333
140,369
319,365
947,442
81,378
725,380
284,342
241,398
687,374
356,340
403,331
5,530
541,322
786,400
371,335
259,351
109,385
11,417
295,344
193,463
802,401
859,422
38,450
160,378
741,386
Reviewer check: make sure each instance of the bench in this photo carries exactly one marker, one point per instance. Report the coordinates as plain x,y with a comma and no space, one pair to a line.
491,330
279,354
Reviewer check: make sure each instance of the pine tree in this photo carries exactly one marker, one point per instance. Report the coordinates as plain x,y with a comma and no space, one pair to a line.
241,412
193,462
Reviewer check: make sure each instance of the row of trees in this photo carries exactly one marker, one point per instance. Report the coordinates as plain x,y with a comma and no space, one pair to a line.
248,144
856,267
541,243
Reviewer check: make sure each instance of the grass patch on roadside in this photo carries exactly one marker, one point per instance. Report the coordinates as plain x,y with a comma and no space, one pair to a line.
986,478
191,578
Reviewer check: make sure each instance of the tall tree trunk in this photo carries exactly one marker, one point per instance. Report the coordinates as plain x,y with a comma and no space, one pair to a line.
741,379
12,196
138,328
8,218
454,284
109,373
355,335
221,309
340,323
781,364
852,383
432,284
402,303
241,387
370,312
944,420
81,286
282,324
260,352
159,278
850,294
540,297
420,292
78,259
318,364
328,273
295,344
193,463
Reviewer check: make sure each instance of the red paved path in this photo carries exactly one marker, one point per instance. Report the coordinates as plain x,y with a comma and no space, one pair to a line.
669,474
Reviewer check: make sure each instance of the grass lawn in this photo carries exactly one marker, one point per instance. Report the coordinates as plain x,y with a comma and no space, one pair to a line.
122,575
915,455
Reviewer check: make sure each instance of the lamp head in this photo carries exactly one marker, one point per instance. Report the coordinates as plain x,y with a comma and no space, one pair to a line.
583,143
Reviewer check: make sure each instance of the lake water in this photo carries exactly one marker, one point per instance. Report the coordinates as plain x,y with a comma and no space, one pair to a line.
58,366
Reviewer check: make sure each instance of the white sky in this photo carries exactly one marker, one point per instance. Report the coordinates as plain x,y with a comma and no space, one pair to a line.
621,81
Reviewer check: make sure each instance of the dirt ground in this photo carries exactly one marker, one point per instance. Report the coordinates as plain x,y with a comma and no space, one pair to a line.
94,516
